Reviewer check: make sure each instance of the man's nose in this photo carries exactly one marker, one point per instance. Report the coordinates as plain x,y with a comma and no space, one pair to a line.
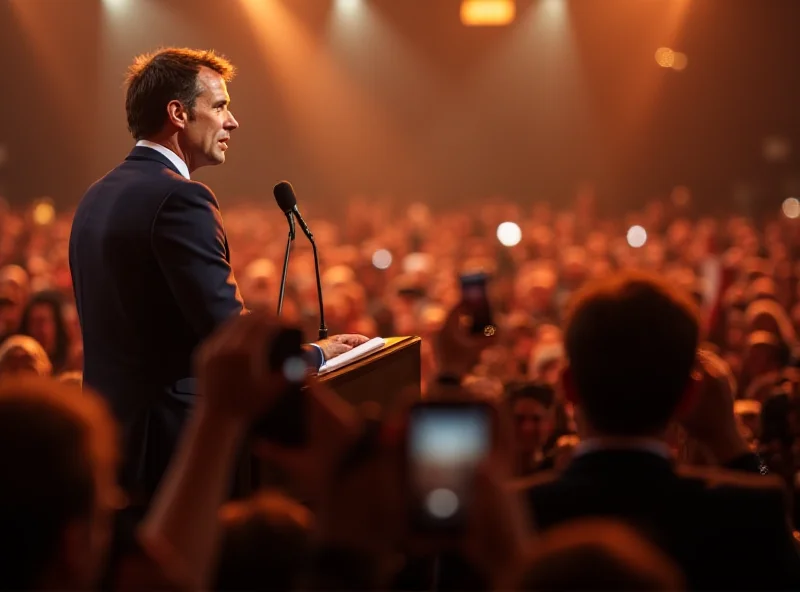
231,124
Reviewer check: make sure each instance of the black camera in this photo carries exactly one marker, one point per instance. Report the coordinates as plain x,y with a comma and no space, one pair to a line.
285,423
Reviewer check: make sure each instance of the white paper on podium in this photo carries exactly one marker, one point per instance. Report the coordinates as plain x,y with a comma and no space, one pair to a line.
353,355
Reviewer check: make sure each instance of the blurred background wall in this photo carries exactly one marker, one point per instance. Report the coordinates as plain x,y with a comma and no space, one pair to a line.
397,98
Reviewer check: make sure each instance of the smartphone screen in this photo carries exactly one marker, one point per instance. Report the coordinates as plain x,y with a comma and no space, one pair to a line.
446,442
475,299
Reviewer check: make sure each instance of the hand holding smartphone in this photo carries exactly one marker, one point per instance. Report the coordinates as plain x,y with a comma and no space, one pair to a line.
475,300
445,444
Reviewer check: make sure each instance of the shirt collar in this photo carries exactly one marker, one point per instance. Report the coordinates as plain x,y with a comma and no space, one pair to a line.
651,445
173,158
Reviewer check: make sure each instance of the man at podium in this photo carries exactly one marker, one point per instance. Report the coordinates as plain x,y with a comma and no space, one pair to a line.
150,261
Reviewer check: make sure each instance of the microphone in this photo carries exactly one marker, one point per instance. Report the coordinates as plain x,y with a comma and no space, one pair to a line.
289,241
287,201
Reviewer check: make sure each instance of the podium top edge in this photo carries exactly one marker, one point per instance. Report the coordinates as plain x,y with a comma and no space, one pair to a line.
392,344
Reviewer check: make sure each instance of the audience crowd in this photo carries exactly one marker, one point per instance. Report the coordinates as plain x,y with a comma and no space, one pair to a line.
689,339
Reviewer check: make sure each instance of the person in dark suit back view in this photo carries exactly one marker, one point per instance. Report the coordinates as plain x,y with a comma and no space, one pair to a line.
149,257
634,369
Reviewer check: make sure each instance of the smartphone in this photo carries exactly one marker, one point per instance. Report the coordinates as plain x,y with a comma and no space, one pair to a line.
285,423
475,299
445,443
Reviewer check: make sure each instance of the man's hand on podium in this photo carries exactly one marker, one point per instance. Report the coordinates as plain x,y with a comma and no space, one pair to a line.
339,344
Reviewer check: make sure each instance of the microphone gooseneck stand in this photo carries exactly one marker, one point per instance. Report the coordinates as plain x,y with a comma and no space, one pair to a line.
289,240
287,201
323,329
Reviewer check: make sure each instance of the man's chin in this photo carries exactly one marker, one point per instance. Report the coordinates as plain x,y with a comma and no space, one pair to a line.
215,158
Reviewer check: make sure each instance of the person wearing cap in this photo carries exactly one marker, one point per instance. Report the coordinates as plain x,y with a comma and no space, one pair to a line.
765,357
748,412
547,361
20,354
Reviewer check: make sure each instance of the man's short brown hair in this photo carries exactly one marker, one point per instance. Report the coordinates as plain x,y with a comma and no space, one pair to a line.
170,74
631,341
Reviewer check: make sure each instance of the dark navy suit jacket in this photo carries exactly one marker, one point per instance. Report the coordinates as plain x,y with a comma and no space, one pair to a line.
152,278
727,530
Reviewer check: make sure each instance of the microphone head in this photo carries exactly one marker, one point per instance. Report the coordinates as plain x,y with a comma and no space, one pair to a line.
284,195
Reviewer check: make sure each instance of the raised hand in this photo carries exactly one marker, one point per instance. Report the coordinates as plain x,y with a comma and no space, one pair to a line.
234,379
456,350
710,417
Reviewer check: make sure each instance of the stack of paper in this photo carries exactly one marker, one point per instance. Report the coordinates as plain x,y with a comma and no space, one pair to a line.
353,355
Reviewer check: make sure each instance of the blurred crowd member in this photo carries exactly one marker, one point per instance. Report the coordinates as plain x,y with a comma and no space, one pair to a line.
266,544
764,359
547,361
58,460
748,411
61,505
631,342
13,297
43,319
260,282
21,354
72,378
389,268
597,554
531,407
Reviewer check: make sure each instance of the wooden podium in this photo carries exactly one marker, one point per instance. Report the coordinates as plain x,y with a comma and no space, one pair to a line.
385,376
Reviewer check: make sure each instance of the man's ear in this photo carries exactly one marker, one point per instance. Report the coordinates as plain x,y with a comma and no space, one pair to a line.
568,386
178,114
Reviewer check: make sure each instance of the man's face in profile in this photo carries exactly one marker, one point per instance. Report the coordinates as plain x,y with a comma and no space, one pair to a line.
206,135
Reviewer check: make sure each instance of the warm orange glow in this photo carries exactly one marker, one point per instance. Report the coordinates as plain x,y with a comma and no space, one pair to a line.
791,208
640,100
487,13
43,212
324,105
665,57
681,196
42,28
680,61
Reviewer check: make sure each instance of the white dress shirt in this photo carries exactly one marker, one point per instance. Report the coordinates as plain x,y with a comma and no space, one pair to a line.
651,445
173,158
